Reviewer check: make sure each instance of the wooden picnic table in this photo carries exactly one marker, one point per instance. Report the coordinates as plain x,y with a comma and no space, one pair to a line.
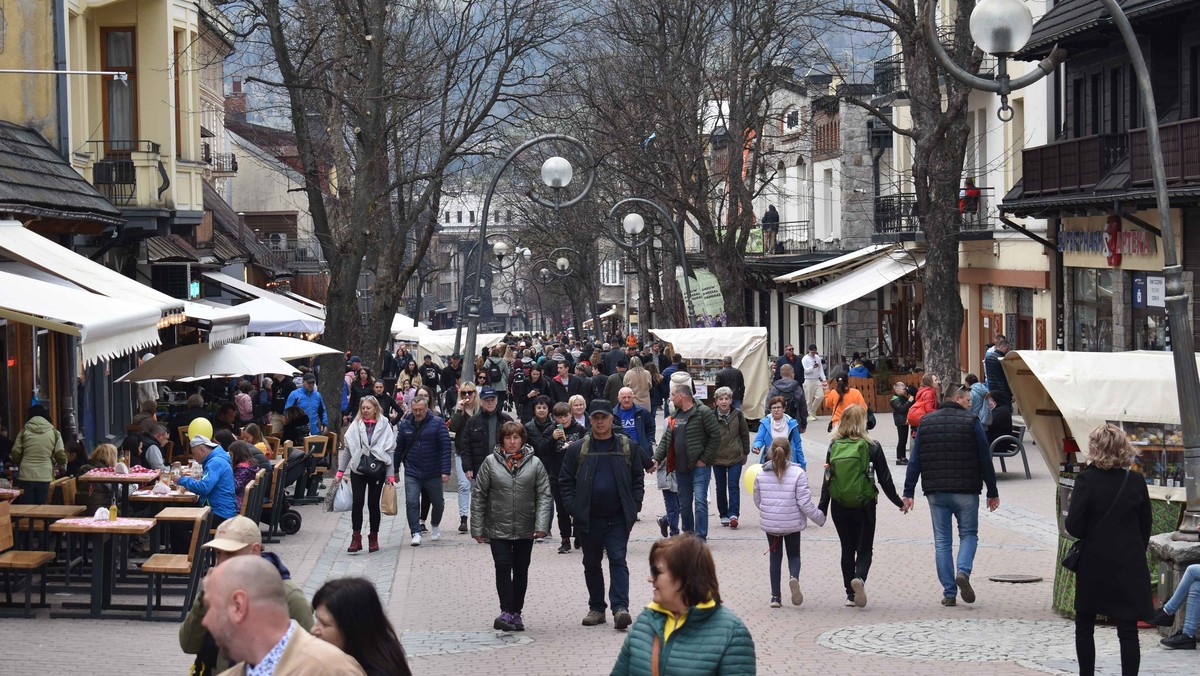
174,497
11,494
44,513
121,482
103,563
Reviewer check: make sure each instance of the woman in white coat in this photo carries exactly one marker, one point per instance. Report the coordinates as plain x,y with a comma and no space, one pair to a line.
369,435
784,501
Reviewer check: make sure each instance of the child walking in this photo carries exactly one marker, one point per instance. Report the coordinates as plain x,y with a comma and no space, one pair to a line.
902,400
784,501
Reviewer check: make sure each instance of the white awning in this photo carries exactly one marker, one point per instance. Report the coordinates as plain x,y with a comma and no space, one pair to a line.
403,323
288,348
837,265
251,291
224,325
854,285
614,311
106,327
197,362
28,247
268,316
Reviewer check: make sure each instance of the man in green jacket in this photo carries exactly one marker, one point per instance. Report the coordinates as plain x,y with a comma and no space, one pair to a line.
238,536
689,448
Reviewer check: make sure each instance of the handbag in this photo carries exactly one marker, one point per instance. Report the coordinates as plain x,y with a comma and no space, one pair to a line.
1071,560
371,467
387,500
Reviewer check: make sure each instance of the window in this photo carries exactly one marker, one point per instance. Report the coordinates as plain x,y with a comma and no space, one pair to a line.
472,216
1093,310
170,279
460,217
1116,101
447,218
117,52
610,273
508,216
793,119
445,291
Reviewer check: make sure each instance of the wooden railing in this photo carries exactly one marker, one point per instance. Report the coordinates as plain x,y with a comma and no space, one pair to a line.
1180,150
1074,165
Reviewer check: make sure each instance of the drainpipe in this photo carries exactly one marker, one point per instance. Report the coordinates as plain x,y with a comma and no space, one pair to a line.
60,63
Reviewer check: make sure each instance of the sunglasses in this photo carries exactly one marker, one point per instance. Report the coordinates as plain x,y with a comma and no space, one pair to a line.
466,395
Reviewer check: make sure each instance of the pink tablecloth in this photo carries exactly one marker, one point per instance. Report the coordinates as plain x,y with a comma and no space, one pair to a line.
10,491
139,476
120,522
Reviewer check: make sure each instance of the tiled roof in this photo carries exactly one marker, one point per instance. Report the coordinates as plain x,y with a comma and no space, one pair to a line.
1073,17
237,245
36,181
168,250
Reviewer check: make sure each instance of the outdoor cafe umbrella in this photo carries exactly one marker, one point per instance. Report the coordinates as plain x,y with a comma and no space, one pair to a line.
287,348
200,362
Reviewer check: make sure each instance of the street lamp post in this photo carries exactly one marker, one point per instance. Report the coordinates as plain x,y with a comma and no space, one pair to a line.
556,174
557,265
632,225
1001,28
504,245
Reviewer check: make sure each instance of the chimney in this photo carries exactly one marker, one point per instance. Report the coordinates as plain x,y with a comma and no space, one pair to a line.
235,102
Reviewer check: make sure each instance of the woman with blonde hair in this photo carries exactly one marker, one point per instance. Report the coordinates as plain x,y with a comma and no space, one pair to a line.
368,437
1110,513
639,380
97,493
467,406
854,463
785,504
579,411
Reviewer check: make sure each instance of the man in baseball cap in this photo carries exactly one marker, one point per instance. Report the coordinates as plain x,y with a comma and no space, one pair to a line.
235,537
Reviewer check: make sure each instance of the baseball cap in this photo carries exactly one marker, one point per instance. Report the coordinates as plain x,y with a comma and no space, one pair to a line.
812,347
456,356
234,535
310,377
355,359
600,406
201,440
487,393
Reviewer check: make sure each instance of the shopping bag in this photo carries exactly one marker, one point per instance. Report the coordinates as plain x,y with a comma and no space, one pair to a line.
343,500
387,501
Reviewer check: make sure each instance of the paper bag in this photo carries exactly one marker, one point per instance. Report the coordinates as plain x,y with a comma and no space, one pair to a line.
387,501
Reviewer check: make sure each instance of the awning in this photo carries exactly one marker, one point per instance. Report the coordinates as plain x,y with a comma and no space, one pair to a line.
197,362
837,265
106,327
745,345
612,312
168,249
403,323
224,325
288,348
268,316
245,290
854,285
29,247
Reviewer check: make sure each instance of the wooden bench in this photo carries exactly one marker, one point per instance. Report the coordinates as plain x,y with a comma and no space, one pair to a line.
189,564
26,563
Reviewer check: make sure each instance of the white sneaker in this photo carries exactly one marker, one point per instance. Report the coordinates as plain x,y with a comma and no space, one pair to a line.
416,540
435,533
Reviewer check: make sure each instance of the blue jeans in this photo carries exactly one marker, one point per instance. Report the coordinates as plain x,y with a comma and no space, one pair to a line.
464,489
412,500
693,499
729,490
1189,589
671,502
965,509
606,537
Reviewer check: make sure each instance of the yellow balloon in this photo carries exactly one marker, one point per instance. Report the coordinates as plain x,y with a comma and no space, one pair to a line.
748,477
200,426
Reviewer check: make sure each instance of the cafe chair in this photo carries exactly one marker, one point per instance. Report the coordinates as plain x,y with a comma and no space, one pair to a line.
183,438
168,453
1010,445
62,491
190,564
272,506
316,447
273,444
25,563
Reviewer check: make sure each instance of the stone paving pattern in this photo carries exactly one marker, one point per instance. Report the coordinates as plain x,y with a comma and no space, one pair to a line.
441,596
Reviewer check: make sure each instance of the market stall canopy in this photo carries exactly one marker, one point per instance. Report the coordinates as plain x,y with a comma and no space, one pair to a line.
224,325
199,362
614,311
249,291
32,249
836,266
106,327
268,316
746,345
440,344
1064,394
288,348
854,285
404,323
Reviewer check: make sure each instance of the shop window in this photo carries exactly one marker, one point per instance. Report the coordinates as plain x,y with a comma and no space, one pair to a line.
1093,310
120,98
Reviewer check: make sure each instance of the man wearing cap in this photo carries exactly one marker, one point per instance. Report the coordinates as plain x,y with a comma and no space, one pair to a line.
215,485
431,375
310,401
238,536
814,381
602,487
483,432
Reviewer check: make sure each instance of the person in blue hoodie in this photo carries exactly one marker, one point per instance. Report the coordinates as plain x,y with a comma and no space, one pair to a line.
215,485
779,425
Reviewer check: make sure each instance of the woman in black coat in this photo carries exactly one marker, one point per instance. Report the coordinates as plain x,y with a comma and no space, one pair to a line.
1113,579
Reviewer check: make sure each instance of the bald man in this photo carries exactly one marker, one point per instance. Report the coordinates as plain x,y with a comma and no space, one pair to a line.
248,617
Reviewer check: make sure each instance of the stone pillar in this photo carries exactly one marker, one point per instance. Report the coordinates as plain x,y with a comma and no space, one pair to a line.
1174,557
1122,312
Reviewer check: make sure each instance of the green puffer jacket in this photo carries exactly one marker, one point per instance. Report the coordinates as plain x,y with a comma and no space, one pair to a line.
712,640
37,449
511,504
703,439
735,438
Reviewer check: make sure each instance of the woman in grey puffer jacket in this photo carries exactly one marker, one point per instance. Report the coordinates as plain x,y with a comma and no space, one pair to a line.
784,500
510,507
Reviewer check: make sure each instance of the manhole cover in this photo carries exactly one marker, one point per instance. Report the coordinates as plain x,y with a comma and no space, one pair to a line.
1015,579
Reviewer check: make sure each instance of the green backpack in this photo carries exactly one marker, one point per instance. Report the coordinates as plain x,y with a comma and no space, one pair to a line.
851,483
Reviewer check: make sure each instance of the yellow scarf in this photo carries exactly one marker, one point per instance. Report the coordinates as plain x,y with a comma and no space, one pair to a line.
674,622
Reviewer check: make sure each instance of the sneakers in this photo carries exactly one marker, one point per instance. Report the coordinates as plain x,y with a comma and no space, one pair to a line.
517,623
733,522
775,602
860,592
725,522
622,619
963,580
901,461
949,601
812,417
435,534
850,602
462,524
424,529
416,540
1163,619
797,596
593,618
504,622
1179,641
663,525
565,547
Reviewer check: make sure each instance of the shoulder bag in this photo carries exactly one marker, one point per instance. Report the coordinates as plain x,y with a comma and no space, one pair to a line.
1071,560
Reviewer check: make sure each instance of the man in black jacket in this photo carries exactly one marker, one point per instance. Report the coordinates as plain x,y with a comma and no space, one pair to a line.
997,384
564,384
732,378
950,455
602,485
483,432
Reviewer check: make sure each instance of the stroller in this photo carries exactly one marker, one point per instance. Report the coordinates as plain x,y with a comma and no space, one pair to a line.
283,515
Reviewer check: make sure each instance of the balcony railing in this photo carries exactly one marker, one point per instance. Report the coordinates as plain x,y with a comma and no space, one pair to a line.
896,213
302,255
221,163
889,75
116,166
1075,165
792,237
1180,149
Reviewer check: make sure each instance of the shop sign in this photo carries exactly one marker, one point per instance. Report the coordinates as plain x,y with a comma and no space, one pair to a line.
1156,291
1139,290
1131,242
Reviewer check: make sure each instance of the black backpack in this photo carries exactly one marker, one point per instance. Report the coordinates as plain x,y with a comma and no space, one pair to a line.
494,374
790,406
520,376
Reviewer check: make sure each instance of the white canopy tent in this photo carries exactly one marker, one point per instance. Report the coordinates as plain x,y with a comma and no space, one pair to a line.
404,323
268,316
106,327
858,283
288,348
224,324
199,362
237,286
834,266
440,344
747,345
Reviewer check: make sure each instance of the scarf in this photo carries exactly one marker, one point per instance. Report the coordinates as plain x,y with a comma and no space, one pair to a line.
779,428
511,459
370,427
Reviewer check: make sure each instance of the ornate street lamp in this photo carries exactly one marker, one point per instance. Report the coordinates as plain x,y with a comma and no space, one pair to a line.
633,224
1001,28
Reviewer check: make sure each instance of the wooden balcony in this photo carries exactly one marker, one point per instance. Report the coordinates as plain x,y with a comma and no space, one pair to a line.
1180,149
1071,166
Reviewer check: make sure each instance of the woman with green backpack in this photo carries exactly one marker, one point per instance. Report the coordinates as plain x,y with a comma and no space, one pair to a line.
854,463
